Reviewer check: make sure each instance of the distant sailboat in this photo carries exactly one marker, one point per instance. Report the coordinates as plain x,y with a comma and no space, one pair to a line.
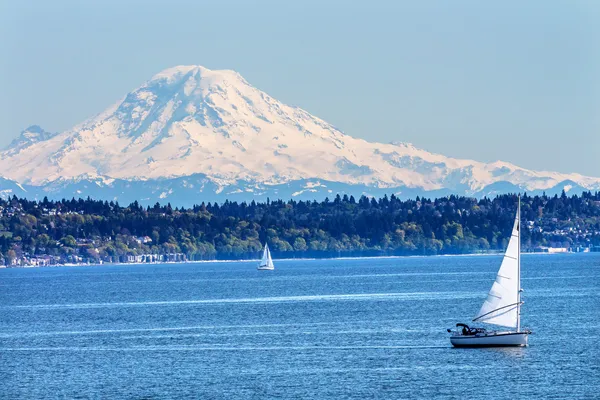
503,304
266,263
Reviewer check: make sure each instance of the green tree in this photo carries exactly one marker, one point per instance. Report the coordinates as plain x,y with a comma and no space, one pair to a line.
300,244
68,241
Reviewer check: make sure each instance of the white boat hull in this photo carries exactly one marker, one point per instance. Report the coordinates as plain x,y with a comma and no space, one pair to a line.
265,268
499,339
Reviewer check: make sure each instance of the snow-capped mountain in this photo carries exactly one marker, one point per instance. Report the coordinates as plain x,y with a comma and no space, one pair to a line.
212,133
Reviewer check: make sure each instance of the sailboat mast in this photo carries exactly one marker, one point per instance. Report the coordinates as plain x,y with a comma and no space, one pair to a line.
519,263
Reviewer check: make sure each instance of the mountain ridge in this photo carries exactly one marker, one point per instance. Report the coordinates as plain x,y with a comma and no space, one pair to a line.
195,189
190,120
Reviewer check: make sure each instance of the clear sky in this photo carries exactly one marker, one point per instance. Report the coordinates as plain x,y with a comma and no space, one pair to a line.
512,80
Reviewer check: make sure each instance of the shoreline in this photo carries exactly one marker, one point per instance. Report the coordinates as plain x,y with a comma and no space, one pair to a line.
284,259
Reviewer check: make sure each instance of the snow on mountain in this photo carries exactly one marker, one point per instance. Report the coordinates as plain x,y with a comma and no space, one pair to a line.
28,137
192,121
9,188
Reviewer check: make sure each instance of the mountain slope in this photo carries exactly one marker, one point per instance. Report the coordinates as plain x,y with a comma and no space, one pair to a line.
192,121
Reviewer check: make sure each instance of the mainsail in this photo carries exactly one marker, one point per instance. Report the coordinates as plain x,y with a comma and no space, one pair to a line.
266,260
502,304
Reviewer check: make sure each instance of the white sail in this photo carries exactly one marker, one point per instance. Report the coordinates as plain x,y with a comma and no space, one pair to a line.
502,304
266,262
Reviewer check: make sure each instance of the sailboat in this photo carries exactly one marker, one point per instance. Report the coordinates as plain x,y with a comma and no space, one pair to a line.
502,307
266,263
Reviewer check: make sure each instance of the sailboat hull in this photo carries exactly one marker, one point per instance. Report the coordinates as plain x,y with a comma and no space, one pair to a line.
500,339
265,268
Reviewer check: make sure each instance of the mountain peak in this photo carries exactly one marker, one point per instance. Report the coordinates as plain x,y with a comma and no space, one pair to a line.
29,136
33,129
178,71
197,72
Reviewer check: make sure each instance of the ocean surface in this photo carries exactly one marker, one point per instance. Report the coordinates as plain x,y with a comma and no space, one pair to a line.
343,329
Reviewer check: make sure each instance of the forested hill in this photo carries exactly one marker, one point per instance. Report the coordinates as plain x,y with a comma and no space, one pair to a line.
88,230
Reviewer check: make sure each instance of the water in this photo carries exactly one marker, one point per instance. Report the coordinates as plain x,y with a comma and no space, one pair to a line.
364,328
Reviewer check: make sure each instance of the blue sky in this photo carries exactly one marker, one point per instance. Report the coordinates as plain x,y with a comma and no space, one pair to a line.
510,80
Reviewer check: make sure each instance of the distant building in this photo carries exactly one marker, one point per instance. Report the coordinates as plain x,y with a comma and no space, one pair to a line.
558,250
143,239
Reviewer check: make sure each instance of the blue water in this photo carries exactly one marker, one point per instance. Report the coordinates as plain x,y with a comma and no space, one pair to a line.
368,328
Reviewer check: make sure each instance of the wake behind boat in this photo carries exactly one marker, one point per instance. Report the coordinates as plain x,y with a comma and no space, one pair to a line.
503,304
266,263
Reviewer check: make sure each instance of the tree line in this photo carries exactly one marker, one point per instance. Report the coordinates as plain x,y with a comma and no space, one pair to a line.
99,230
